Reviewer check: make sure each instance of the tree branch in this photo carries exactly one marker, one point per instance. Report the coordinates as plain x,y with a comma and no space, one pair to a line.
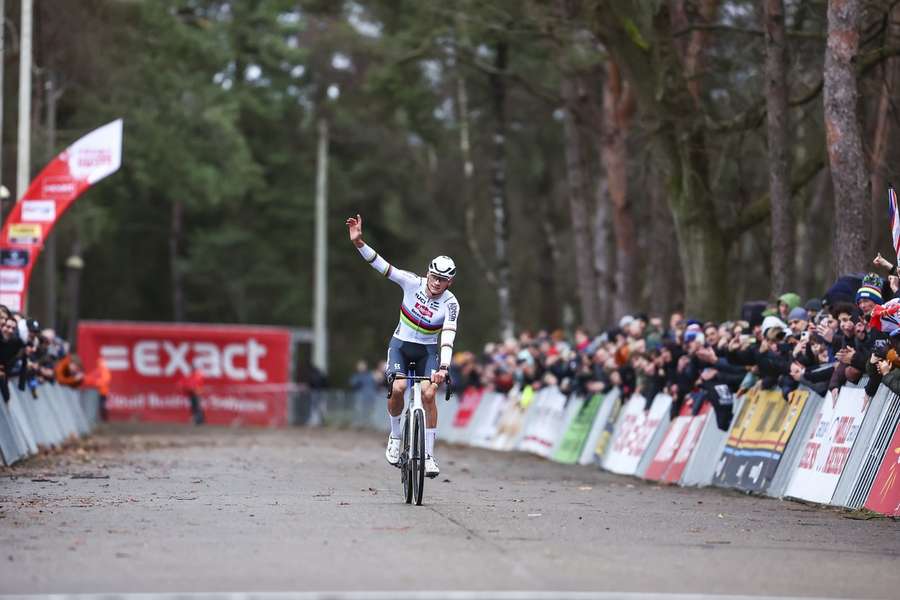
537,91
744,30
871,59
759,210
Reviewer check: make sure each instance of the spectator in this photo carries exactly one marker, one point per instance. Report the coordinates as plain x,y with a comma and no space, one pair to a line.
100,378
191,385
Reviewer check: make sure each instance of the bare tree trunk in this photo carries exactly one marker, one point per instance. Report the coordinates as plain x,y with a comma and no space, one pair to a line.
779,152
74,268
666,281
661,86
549,257
498,192
885,130
693,47
618,107
465,149
604,254
175,269
576,178
50,252
843,136
809,255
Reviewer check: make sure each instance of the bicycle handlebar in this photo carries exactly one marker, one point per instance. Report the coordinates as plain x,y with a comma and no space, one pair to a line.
394,376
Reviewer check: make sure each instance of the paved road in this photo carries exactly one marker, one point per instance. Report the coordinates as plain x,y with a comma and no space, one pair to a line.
169,509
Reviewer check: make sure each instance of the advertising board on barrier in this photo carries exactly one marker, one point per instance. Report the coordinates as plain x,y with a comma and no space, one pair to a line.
828,448
758,438
512,419
573,439
680,440
635,432
469,402
246,369
547,416
884,497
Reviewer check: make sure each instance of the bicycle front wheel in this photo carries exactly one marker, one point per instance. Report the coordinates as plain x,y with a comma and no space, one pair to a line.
406,479
417,462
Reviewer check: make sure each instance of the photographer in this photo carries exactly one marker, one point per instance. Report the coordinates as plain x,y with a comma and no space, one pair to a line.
772,356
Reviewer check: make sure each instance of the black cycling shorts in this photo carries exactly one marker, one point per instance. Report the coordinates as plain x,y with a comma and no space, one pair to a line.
401,353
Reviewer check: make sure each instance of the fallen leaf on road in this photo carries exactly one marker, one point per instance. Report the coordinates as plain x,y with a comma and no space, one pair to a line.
721,516
585,488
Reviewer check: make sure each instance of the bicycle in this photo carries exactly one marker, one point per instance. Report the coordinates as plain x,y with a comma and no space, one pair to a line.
412,443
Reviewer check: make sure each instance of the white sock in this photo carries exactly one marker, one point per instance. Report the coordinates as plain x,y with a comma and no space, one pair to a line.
430,435
395,425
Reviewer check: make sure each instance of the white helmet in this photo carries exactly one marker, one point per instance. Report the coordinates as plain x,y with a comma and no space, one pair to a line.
443,266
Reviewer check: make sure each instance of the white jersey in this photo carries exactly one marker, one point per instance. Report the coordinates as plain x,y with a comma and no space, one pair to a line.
422,318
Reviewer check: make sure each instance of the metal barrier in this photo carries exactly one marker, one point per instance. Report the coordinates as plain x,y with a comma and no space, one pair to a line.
42,418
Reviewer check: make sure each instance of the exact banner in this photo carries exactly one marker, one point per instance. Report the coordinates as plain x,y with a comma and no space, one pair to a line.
758,438
884,497
51,193
829,446
245,370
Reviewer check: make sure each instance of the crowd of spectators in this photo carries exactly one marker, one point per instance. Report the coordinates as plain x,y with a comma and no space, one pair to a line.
31,356
822,343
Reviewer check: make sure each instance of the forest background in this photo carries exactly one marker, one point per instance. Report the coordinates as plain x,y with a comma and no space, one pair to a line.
579,160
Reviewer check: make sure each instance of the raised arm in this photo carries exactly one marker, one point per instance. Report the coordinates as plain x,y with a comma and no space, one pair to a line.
398,276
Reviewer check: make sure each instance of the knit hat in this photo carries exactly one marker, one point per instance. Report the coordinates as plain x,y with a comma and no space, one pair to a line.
813,304
871,289
798,314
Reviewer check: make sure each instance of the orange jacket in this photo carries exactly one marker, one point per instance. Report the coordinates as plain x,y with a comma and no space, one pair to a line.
191,384
99,378
64,375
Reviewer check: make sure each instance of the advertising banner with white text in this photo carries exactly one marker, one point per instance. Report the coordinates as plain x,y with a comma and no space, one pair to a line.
245,370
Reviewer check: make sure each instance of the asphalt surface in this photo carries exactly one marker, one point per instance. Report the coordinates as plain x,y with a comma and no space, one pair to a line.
140,508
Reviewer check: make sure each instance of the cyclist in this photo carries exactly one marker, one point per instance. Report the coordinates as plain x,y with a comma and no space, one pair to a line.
424,335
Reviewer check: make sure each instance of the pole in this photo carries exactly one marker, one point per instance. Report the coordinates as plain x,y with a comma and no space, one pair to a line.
50,268
23,164
320,312
2,63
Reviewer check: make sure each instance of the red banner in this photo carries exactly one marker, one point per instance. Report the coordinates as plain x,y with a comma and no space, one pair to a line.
884,497
50,194
245,369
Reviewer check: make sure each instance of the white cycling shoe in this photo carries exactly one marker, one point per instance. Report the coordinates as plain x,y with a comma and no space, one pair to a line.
392,453
431,468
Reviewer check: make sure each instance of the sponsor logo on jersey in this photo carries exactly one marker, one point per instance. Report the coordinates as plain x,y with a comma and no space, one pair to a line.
452,310
424,310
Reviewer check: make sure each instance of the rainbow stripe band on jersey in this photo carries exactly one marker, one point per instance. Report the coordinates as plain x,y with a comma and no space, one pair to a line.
411,322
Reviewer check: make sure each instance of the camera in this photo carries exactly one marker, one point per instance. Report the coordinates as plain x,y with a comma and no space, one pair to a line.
880,348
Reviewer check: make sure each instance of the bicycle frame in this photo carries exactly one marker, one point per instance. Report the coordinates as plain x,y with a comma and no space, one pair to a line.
412,452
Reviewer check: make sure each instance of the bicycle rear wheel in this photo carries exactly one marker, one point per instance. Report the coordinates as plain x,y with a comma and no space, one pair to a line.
417,462
406,478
